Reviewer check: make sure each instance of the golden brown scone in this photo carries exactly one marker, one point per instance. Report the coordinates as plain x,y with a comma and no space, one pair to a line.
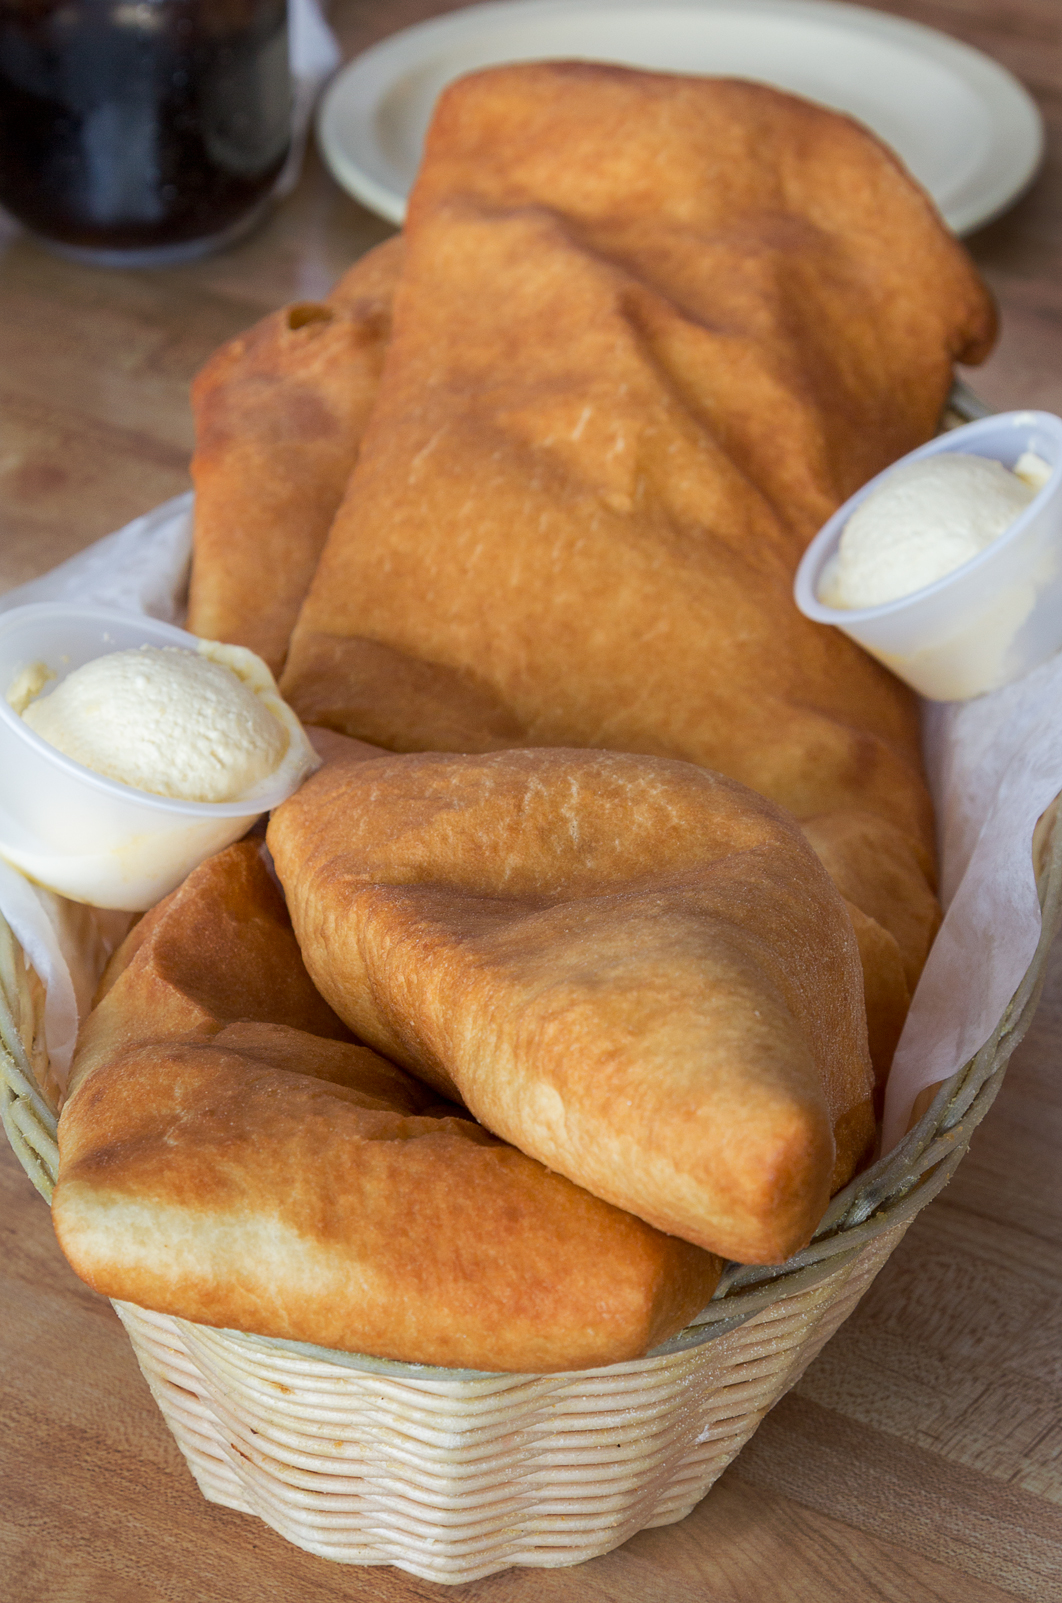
649,333
886,873
229,1155
885,993
886,877
279,415
634,970
370,282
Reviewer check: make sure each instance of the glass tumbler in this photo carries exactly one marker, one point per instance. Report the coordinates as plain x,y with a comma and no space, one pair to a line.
141,132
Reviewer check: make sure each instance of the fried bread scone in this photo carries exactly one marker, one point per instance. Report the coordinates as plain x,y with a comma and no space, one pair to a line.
279,415
230,1155
650,332
886,878
634,970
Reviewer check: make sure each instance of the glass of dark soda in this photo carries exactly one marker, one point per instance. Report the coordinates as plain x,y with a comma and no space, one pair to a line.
140,132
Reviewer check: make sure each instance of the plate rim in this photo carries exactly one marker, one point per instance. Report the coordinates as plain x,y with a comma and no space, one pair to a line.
368,76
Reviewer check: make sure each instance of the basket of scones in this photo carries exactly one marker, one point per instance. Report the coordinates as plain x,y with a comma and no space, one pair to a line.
477,1152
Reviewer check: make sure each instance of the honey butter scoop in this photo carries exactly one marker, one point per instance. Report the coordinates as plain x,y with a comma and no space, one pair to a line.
230,1155
171,722
636,971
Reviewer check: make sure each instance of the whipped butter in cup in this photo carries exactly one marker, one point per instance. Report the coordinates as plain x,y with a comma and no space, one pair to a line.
993,616
162,751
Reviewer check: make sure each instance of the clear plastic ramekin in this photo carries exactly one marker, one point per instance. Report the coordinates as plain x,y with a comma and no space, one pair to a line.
75,831
993,619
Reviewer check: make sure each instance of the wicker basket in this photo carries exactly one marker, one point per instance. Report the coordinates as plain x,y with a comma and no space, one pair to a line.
452,1475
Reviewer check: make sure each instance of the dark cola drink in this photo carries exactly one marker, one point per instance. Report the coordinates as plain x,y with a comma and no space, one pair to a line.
141,131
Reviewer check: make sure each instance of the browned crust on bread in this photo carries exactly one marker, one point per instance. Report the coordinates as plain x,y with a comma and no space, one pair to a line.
221,1162
279,415
649,333
634,970
886,874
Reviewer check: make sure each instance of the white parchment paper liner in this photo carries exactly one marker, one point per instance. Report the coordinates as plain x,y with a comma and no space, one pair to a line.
994,765
142,568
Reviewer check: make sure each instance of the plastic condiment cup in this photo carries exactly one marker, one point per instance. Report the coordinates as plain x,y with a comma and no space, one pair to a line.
77,832
988,622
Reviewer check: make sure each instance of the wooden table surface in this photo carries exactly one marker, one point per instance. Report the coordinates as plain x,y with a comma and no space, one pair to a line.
921,1456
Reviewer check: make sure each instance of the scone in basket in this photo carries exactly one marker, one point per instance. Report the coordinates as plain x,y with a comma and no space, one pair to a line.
452,1475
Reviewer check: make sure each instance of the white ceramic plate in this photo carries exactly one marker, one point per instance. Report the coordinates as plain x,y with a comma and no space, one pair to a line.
965,127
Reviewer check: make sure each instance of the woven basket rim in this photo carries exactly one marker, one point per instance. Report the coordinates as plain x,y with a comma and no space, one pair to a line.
887,1194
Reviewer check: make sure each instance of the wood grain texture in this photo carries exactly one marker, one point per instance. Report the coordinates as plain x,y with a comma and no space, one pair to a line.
920,1458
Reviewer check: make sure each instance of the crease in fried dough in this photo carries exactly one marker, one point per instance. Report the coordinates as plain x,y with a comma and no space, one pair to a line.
633,970
279,415
229,1154
650,331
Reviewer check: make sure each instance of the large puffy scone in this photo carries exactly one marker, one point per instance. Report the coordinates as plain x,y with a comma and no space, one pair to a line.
229,1155
649,332
279,414
635,970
